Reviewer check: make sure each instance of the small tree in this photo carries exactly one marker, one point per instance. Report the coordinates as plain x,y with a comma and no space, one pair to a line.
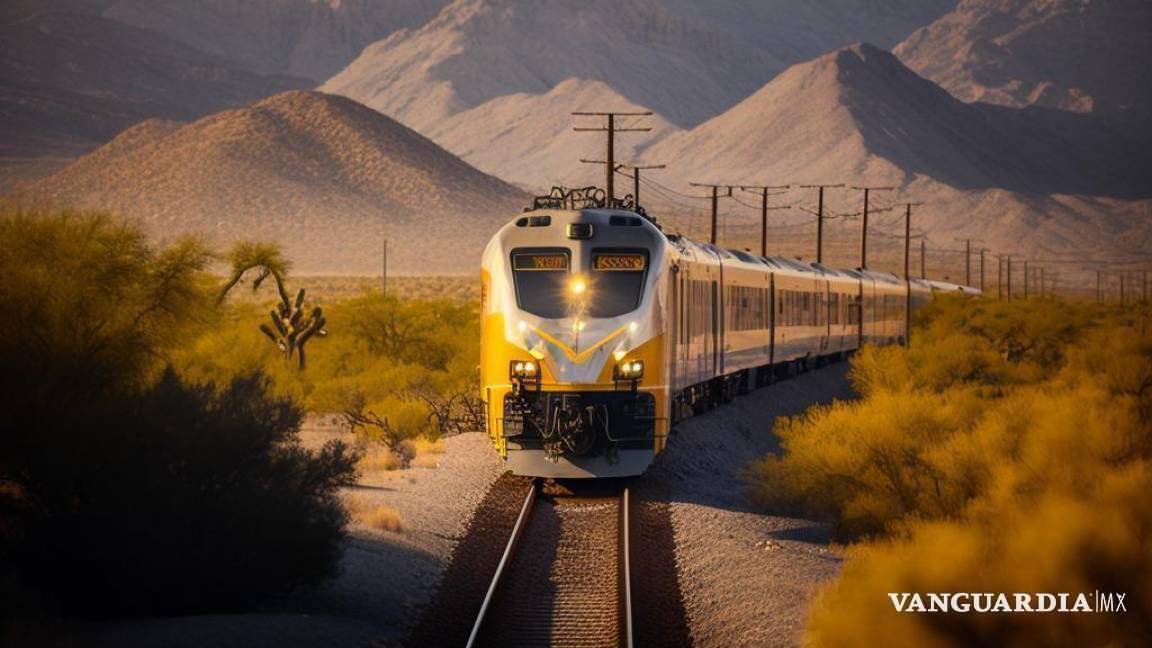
291,328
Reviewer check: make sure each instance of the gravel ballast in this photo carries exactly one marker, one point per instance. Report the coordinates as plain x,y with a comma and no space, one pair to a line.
746,578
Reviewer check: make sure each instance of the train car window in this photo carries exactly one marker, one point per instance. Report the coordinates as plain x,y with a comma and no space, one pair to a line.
678,297
715,312
540,277
617,281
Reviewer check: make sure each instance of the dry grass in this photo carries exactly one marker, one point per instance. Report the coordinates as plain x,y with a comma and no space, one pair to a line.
380,460
382,518
423,452
374,516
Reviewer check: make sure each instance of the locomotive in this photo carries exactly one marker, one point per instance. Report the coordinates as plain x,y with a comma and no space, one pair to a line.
599,331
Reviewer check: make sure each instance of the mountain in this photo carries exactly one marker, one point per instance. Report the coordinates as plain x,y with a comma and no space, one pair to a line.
528,138
859,116
1070,55
323,175
304,38
687,61
71,80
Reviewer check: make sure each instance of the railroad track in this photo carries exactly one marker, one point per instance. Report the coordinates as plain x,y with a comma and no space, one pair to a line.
564,576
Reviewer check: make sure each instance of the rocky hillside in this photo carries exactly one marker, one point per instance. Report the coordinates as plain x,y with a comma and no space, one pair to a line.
303,38
859,116
686,60
325,176
1070,55
71,80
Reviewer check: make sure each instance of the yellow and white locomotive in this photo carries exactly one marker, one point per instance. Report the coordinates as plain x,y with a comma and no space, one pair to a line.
599,331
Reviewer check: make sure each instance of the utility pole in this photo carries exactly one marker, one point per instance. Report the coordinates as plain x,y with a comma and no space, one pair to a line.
999,276
635,174
384,271
820,218
610,150
967,262
923,253
636,168
864,228
1123,276
907,278
982,251
715,204
1098,296
1042,283
764,189
1027,276
1009,277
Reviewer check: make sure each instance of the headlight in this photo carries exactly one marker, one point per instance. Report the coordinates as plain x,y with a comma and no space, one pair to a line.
630,370
523,370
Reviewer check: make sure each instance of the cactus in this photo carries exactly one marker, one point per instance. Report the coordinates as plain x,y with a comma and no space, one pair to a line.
291,327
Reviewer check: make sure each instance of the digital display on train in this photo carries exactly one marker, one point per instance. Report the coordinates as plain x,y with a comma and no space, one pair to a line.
616,262
540,261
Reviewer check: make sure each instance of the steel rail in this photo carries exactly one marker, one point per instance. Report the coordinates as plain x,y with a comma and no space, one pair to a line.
517,531
626,573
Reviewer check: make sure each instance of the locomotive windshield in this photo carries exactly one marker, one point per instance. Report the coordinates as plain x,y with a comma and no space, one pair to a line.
617,281
540,277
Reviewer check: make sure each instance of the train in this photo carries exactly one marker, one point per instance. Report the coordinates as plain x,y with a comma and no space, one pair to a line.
600,331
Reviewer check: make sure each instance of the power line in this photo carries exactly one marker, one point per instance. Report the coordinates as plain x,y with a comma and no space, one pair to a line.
610,129
715,203
820,217
765,191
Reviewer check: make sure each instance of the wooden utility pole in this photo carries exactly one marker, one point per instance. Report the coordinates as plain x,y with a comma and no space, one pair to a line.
1009,286
610,150
715,204
1099,297
1123,276
999,276
923,254
764,208
864,227
636,168
384,270
820,217
982,251
907,276
635,174
967,262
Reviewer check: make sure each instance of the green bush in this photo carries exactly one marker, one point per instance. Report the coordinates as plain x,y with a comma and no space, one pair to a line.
122,488
394,369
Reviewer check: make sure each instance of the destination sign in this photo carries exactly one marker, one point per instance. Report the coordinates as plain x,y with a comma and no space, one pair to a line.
618,262
534,262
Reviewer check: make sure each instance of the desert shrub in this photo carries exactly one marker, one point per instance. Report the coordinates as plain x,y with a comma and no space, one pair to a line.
127,489
395,370
1057,541
1003,453
179,499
